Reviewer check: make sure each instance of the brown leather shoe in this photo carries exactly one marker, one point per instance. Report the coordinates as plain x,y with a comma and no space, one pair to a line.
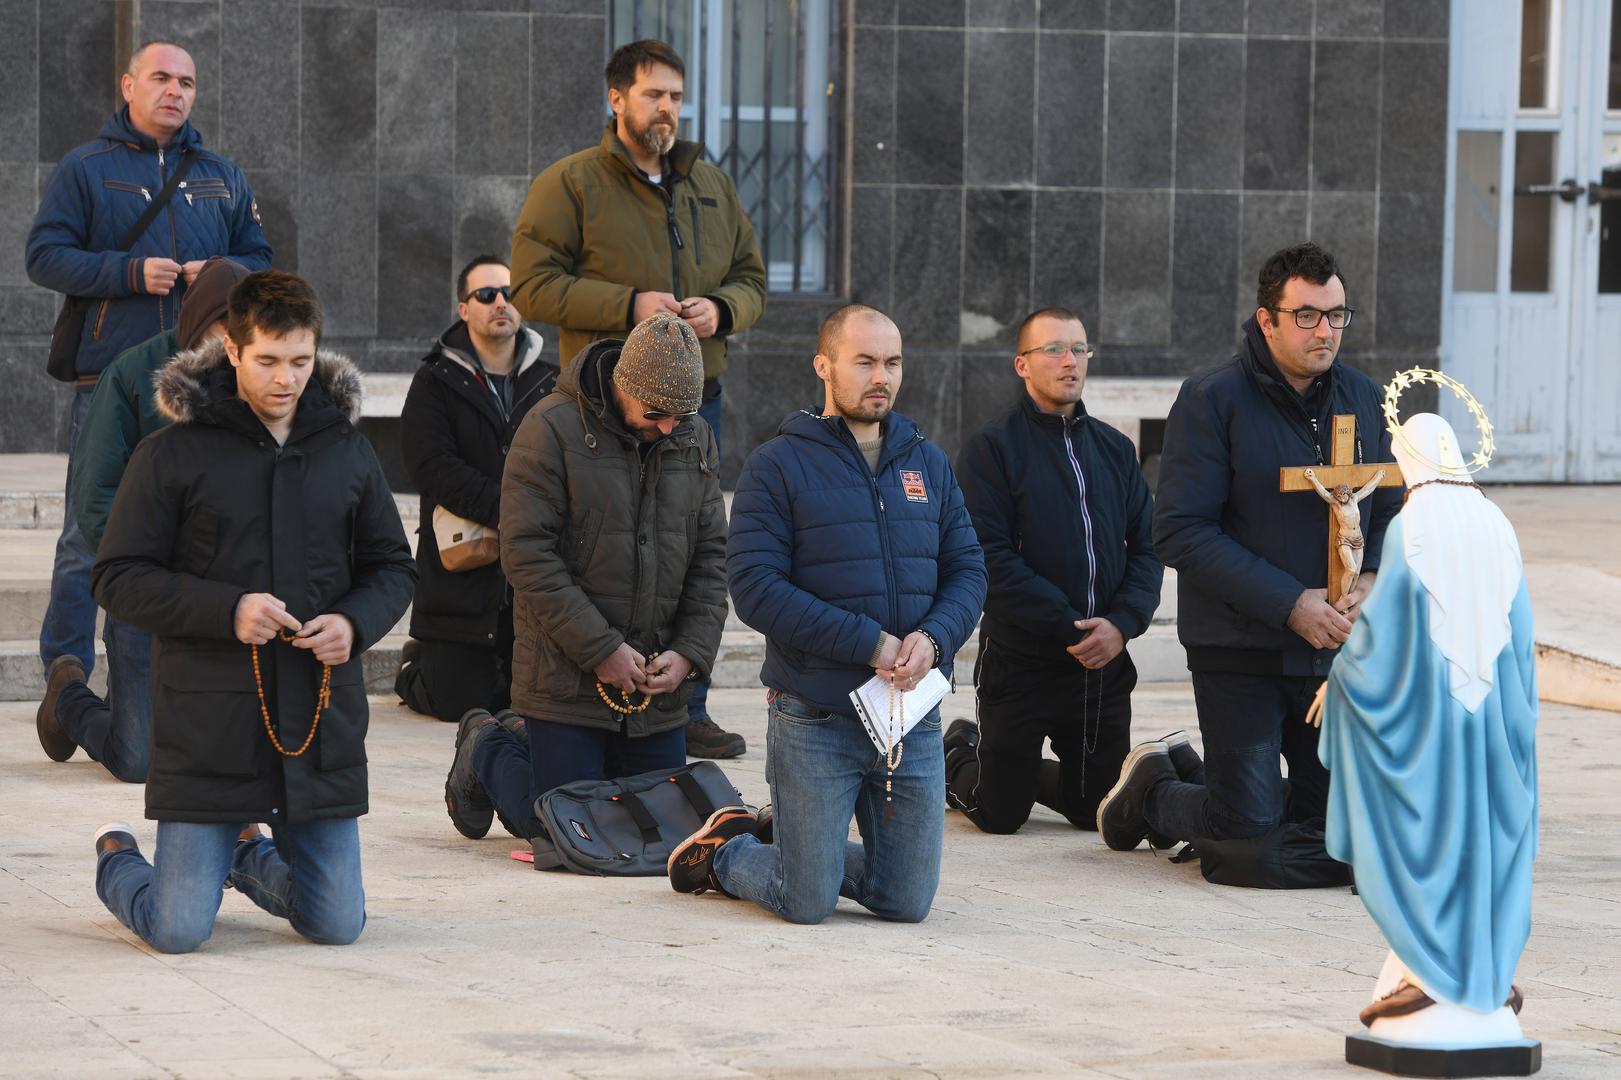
1402,1001
64,671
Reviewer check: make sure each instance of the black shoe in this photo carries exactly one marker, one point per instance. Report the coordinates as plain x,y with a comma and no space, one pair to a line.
63,672
1120,815
514,723
115,836
706,739
410,652
1184,758
470,808
963,733
691,863
765,824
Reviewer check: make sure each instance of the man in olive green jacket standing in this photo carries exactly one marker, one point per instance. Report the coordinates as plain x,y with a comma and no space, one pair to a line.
636,225
613,535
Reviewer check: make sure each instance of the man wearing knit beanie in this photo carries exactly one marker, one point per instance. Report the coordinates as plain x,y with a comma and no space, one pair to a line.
613,538
121,414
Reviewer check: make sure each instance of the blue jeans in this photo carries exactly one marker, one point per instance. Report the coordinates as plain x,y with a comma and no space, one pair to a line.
823,770
69,628
1246,721
514,775
698,704
309,874
115,732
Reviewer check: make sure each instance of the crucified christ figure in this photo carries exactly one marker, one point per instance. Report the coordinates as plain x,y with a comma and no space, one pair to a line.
1348,534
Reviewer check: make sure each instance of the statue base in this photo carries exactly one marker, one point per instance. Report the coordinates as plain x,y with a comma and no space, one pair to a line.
1519,1058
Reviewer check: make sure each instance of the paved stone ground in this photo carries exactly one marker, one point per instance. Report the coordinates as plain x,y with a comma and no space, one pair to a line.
1045,954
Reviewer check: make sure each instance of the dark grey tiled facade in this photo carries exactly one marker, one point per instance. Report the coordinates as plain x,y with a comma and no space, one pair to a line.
1133,159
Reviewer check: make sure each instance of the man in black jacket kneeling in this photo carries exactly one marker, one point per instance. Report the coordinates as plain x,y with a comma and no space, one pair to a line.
1063,513
256,540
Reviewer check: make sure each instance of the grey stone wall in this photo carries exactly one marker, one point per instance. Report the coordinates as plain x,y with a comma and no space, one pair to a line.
1133,159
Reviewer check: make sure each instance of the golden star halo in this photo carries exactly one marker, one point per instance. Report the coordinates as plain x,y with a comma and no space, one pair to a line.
1482,456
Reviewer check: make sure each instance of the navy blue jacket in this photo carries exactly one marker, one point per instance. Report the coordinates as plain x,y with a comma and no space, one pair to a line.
95,196
1064,516
824,554
1243,551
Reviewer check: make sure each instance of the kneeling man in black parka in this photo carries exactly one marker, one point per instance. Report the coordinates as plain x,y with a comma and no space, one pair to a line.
256,540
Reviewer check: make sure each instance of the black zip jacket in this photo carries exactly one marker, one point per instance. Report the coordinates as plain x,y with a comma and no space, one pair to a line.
455,431
1242,550
1064,516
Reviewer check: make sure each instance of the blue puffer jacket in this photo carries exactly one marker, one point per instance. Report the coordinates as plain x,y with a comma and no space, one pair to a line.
823,553
98,192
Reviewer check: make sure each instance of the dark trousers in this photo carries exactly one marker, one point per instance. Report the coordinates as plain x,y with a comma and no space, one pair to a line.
515,773
1246,722
449,677
1021,702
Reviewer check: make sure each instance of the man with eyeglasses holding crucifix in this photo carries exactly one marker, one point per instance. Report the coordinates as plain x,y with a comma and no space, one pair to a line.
1259,608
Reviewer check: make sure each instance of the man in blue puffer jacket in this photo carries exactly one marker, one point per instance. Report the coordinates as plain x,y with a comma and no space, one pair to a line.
96,195
852,551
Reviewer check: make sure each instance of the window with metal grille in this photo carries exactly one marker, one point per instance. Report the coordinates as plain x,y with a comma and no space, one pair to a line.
760,97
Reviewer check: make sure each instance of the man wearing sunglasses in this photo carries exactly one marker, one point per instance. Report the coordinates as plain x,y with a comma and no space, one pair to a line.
613,535
466,401
1252,575
1064,516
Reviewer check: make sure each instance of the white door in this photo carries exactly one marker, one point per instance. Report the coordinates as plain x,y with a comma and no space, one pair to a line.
1532,321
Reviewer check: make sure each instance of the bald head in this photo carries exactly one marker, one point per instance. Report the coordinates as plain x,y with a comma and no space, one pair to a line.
160,87
833,327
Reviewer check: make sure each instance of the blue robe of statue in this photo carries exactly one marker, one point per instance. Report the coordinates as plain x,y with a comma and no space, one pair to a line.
1435,808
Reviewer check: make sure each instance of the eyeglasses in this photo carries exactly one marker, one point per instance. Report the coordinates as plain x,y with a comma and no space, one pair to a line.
657,415
488,293
1307,318
1056,350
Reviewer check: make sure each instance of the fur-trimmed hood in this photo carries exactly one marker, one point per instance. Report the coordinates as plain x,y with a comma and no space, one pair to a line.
182,387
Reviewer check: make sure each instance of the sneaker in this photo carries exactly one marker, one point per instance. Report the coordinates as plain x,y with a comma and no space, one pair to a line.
1184,758
691,863
513,722
1120,815
963,733
116,836
64,670
706,739
470,808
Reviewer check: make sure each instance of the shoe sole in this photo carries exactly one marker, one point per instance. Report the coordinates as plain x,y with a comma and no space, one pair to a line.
52,739
1129,766
705,836
469,831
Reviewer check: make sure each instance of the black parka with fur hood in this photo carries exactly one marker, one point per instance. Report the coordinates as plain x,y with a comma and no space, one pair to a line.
210,509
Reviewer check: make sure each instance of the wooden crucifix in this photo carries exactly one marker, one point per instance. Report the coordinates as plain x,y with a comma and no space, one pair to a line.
1342,485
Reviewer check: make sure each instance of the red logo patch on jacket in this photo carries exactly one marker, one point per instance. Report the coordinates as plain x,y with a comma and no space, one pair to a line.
912,484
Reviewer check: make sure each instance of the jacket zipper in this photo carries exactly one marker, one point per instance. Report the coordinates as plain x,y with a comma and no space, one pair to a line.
675,241
1086,521
174,247
697,236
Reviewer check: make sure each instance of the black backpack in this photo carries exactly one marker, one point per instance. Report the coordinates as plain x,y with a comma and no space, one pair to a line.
628,827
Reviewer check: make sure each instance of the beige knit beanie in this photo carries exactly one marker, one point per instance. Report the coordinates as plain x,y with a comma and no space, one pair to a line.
661,365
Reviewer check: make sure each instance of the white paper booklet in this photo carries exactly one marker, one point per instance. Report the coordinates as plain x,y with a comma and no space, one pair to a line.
872,702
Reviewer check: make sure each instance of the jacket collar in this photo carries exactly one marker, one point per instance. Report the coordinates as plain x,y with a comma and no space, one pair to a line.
682,156
1027,405
831,431
1256,356
119,129
456,345
199,385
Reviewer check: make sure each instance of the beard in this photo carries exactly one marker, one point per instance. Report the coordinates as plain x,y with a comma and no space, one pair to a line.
855,406
652,140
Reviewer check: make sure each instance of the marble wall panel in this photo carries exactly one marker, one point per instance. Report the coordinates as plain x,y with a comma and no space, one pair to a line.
1417,18
1412,151
415,278
1142,15
492,94
875,12
873,84
338,87
416,103
1074,14
1351,18
872,212
927,281
556,7
31,394
77,87
1209,113
570,104
989,386
1204,269
1069,110
1280,17
196,28
25,310
928,107
486,210
997,249
337,248
259,100
1001,124
1277,113
929,393
1140,104
1409,283
19,58
1345,116
1067,267
949,13
1136,292
1211,17
1346,224
19,196
275,192
1016,14
1267,222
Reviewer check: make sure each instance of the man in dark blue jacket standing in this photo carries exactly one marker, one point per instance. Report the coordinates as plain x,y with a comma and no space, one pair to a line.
1064,516
851,550
97,194
1252,574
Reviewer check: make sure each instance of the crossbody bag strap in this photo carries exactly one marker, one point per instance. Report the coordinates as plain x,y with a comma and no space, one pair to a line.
145,220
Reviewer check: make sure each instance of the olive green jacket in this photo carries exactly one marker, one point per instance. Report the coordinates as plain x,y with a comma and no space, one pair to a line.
594,232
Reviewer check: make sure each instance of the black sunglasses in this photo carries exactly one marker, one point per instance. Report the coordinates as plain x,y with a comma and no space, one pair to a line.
656,415
488,293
